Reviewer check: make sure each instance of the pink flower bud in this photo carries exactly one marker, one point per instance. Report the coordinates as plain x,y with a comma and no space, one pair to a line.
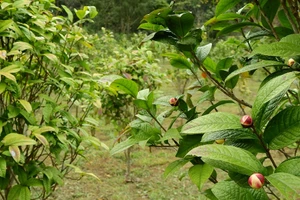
256,180
246,121
173,101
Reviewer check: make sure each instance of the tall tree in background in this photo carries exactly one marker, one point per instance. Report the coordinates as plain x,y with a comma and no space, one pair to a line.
121,16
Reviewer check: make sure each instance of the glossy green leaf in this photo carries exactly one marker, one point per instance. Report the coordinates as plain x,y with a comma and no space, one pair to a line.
283,129
270,90
229,190
199,174
203,51
174,166
125,85
228,158
18,192
291,166
234,27
16,139
258,65
243,133
224,5
2,167
229,83
212,122
287,184
26,105
180,24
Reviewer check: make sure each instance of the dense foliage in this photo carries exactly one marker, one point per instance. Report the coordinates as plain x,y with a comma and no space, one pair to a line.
241,145
47,92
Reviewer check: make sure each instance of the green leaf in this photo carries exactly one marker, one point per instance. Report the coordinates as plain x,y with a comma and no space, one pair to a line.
15,152
287,184
270,90
243,133
81,13
5,24
2,167
180,62
229,190
203,51
199,174
68,11
26,105
258,65
151,27
21,46
82,173
212,122
92,11
282,49
292,39
125,85
16,139
174,166
42,139
224,5
180,24
2,87
43,130
270,9
238,26
172,133
291,166
219,103
187,143
124,145
228,158
19,192
158,16
283,129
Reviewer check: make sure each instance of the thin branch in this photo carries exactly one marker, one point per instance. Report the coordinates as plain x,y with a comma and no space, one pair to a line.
267,20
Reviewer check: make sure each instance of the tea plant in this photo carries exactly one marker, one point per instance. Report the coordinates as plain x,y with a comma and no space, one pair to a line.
46,94
241,146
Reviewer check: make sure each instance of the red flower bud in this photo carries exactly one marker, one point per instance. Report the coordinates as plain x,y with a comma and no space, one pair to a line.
246,121
256,180
173,101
